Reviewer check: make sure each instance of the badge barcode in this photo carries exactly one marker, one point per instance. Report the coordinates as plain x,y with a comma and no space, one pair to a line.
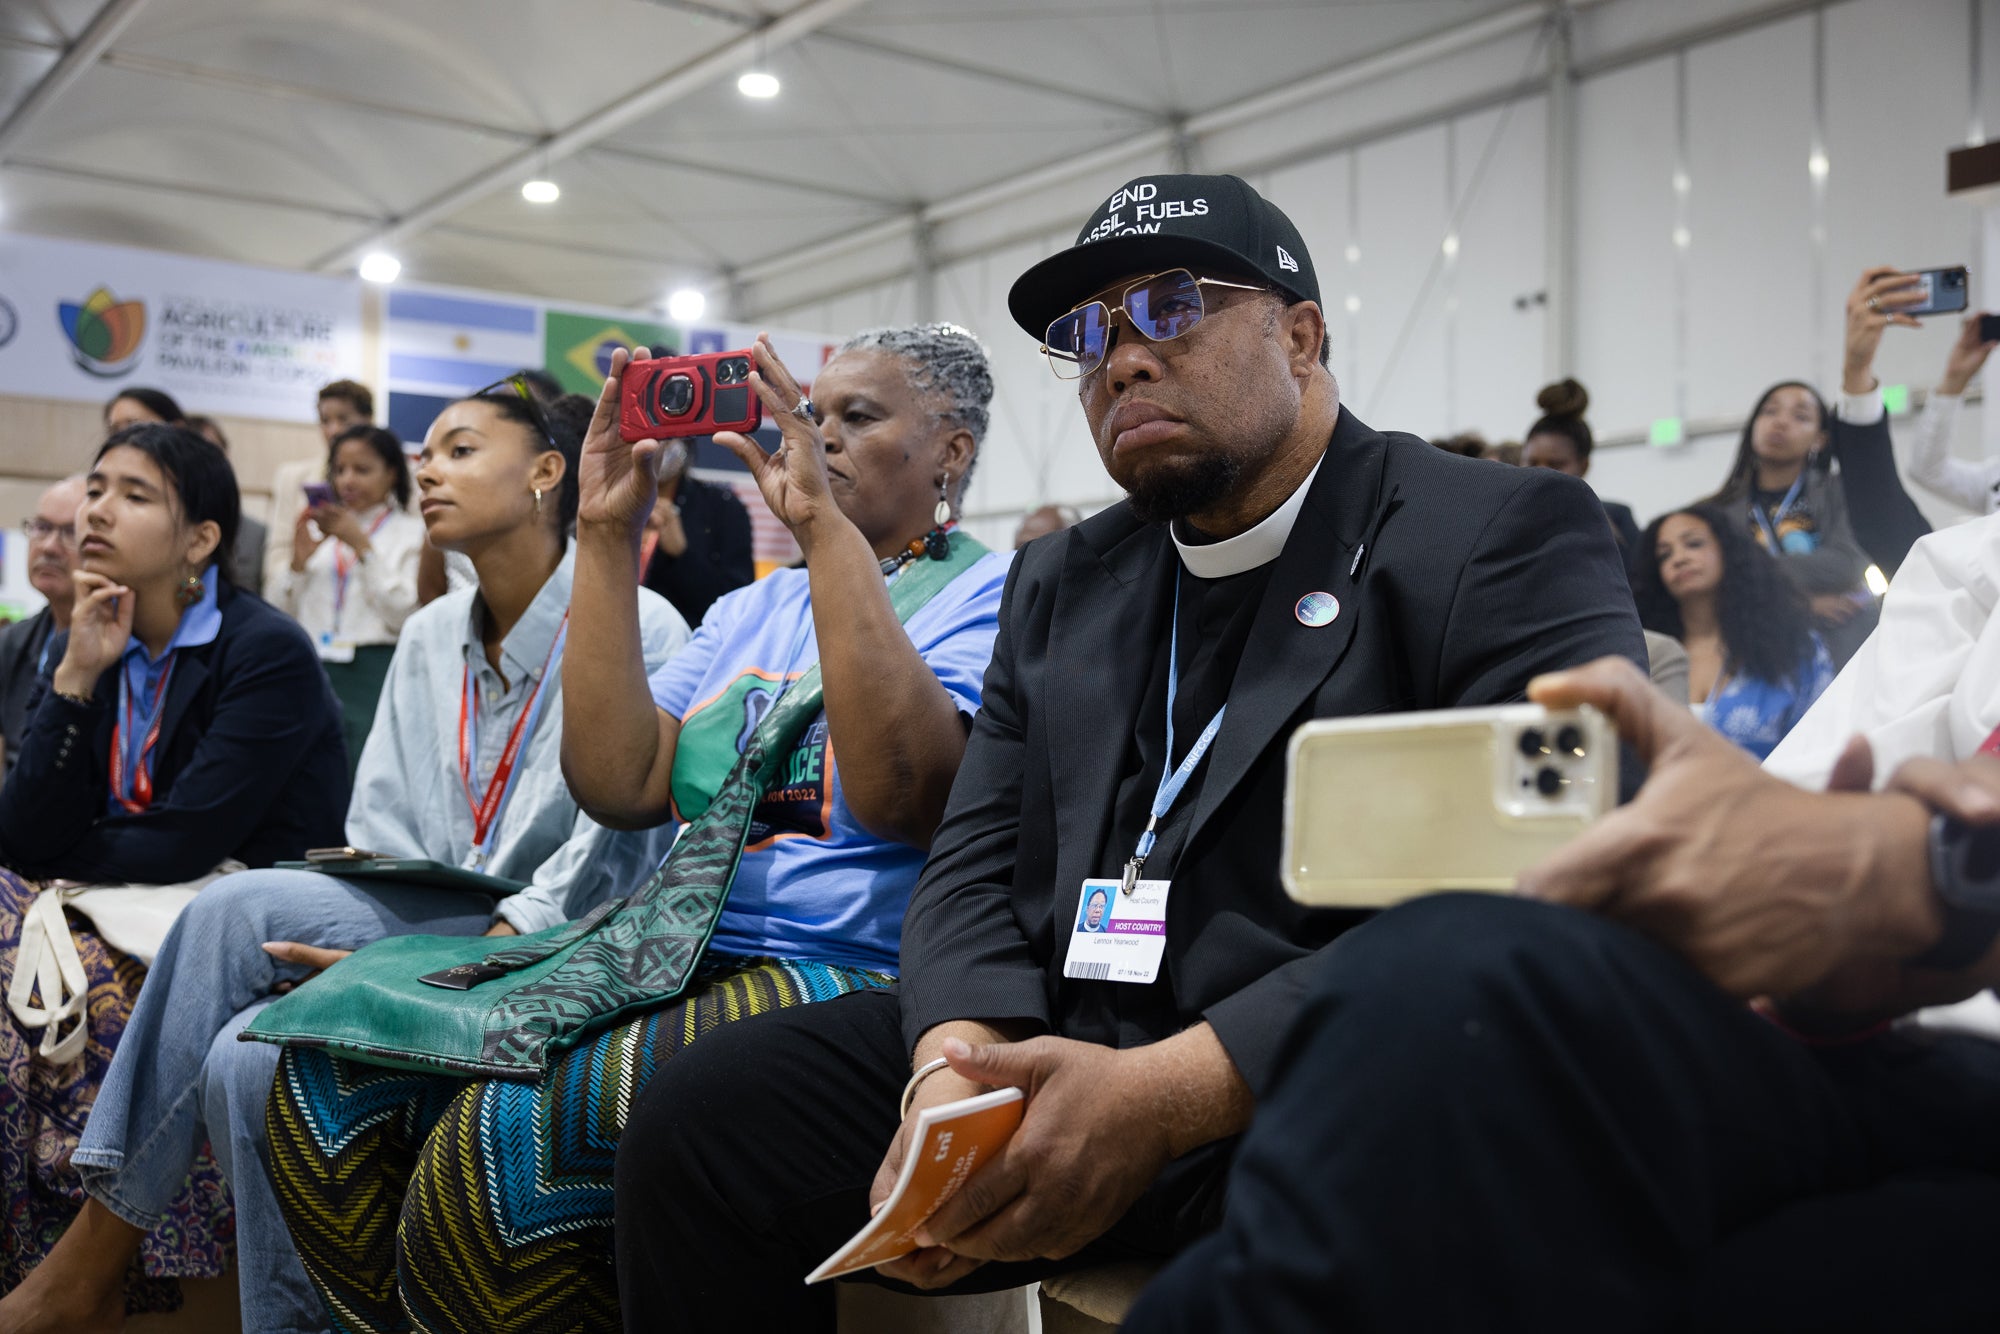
1090,972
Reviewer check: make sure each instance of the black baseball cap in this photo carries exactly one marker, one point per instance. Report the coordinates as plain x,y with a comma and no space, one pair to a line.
1163,222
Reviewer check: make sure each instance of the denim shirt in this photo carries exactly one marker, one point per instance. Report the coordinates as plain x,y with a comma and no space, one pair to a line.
410,799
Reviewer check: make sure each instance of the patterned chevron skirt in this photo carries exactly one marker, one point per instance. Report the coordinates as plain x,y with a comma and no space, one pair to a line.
430,1202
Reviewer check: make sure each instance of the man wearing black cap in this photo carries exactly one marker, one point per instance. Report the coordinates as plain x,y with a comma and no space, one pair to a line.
1275,560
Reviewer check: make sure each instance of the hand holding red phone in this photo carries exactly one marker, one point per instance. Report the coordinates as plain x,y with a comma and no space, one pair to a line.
794,477
617,480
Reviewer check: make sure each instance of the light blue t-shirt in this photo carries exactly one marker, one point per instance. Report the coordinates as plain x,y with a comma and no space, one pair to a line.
813,883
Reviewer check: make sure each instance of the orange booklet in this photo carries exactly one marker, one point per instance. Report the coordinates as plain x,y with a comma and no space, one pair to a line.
953,1140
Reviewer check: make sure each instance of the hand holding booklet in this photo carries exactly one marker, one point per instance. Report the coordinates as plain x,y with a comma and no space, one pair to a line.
949,1143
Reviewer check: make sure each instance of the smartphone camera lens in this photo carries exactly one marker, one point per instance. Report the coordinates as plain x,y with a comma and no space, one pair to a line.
732,370
1533,743
676,395
1548,781
1570,740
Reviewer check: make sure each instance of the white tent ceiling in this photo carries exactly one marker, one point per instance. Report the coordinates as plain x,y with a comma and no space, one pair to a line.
299,132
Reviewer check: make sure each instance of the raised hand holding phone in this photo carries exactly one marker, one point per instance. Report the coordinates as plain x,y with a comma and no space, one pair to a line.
100,627
617,479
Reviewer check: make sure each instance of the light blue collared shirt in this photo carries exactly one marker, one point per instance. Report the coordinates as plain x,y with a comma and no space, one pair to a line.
410,799
199,625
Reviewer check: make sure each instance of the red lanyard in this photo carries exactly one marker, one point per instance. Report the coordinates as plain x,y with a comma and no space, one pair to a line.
343,561
486,809
134,797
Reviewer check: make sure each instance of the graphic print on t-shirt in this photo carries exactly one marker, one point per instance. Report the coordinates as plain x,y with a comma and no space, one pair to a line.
713,735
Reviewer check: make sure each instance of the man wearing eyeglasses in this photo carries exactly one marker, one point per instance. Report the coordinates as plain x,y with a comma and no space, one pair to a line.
51,556
1275,560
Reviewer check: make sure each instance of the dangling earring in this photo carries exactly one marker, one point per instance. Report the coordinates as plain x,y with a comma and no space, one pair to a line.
538,500
942,514
191,591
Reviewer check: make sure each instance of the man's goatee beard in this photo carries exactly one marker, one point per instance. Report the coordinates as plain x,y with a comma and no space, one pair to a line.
1188,486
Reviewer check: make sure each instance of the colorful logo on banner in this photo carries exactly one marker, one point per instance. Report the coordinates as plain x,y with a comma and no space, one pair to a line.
104,333
10,321
580,346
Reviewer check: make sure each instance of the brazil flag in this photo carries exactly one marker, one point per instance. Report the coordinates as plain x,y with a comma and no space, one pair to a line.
579,347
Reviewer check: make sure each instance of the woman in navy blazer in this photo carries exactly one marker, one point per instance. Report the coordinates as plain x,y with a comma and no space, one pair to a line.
187,723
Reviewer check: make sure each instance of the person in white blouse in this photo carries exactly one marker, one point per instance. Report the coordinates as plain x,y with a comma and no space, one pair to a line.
353,575
1973,485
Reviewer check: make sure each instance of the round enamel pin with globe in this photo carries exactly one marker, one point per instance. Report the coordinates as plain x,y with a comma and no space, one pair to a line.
1317,609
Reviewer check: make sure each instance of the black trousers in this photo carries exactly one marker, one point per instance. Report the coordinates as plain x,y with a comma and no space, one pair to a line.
1498,1115
747,1161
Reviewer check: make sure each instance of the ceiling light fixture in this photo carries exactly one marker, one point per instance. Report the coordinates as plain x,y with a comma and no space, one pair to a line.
541,192
757,83
686,305
379,266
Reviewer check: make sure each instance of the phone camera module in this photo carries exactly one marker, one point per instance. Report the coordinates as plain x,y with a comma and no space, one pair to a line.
676,395
1533,743
1548,781
1570,740
732,370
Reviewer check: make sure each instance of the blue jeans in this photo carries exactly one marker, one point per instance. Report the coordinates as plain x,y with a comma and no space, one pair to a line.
180,1075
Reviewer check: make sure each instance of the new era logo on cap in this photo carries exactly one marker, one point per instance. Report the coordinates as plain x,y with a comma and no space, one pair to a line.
1286,262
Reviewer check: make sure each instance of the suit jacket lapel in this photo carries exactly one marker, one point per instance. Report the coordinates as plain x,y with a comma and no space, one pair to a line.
1110,614
1285,661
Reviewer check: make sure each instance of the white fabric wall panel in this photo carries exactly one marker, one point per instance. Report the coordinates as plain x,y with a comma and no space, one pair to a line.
1627,353
1399,354
1495,352
1897,97
892,302
1038,448
1317,196
1750,267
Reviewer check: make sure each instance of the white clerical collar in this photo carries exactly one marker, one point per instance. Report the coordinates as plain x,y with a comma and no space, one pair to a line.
1247,550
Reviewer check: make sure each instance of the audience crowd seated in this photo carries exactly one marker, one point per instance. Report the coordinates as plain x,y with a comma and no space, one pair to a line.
1755,664
184,728
559,678
353,577
697,545
504,1222
25,645
1300,564
499,483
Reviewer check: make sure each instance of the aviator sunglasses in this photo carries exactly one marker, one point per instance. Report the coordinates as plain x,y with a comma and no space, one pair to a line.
1159,306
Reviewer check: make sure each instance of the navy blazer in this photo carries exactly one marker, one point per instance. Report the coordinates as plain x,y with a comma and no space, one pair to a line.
250,764
1458,581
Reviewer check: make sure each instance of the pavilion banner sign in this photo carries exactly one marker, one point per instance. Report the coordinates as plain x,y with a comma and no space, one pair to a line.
81,321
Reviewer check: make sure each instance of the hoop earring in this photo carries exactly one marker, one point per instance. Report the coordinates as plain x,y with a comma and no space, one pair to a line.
942,514
538,500
191,591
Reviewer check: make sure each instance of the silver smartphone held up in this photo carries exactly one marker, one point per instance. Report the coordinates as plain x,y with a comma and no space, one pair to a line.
1386,807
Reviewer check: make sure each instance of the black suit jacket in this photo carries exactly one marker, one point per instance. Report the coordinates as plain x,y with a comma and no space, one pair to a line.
718,557
250,764
1458,580
20,659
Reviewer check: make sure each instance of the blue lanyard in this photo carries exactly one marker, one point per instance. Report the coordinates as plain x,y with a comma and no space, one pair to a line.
1769,522
1172,780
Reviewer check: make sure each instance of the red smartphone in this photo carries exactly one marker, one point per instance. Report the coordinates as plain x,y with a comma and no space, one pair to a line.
668,398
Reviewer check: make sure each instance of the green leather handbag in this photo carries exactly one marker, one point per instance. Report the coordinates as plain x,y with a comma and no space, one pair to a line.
503,1008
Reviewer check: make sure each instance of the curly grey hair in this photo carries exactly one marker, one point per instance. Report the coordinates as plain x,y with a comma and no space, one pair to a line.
947,362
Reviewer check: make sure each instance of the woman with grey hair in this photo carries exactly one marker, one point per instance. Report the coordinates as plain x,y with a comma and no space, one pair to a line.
490,1203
